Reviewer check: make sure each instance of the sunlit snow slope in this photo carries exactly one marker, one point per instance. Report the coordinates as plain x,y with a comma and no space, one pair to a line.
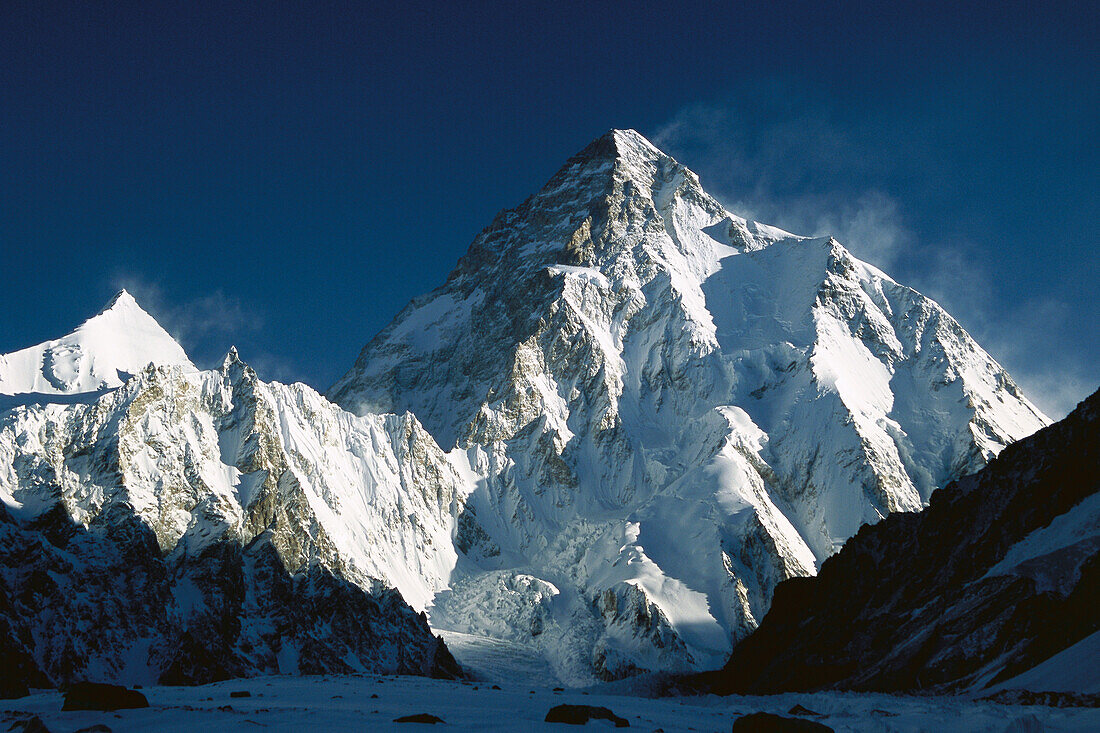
664,409
101,354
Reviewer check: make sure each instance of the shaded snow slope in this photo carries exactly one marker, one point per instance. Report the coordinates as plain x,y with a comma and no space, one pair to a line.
663,410
490,660
1072,670
994,585
101,354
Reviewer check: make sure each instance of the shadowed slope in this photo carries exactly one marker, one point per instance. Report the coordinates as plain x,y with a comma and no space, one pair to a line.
1001,572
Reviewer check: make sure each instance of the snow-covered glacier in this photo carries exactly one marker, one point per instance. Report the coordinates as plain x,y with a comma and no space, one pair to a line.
660,410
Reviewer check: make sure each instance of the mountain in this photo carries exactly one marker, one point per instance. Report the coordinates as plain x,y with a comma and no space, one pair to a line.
994,585
189,525
663,410
625,418
101,354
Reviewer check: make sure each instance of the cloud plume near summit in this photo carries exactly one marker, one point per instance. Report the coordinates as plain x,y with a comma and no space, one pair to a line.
791,158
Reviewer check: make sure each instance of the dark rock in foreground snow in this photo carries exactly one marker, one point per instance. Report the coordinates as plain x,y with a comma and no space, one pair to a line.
33,724
581,714
420,718
96,696
769,723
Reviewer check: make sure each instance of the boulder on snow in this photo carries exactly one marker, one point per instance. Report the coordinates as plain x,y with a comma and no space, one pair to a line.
581,714
770,723
420,718
98,696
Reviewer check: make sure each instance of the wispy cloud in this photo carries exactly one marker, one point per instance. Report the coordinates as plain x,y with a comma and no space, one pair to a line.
206,325
783,157
1018,335
787,170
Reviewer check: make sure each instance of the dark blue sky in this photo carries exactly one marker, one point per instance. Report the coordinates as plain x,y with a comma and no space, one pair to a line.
285,176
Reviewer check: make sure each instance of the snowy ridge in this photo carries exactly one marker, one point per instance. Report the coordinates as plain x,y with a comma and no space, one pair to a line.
101,354
212,496
665,409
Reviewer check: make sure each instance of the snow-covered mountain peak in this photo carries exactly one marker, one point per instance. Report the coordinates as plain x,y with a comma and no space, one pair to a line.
667,409
231,358
628,147
100,354
625,417
122,300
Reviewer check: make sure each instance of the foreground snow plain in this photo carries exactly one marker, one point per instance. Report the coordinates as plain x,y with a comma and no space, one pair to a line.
332,703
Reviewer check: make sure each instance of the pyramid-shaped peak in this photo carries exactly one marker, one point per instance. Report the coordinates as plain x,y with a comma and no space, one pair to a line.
119,341
121,301
231,358
123,308
628,145
615,156
122,297
630,139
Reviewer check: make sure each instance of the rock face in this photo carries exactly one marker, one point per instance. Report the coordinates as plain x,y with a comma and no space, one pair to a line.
190,526
663,410
1001,572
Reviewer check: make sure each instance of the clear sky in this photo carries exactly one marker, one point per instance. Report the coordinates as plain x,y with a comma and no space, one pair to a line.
286,176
